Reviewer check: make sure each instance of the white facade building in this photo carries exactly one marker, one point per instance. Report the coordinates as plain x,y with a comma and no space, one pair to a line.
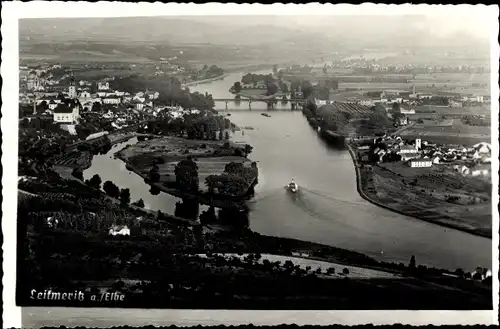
111,100
103,86
420,163
67,113
119,230
409,111
406,149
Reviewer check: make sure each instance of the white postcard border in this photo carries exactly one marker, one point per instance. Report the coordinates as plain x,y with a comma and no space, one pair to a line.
12,11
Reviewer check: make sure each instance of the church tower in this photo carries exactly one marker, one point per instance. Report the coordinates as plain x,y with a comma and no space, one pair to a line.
72,87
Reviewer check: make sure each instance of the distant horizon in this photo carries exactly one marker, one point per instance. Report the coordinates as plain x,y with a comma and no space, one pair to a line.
440,26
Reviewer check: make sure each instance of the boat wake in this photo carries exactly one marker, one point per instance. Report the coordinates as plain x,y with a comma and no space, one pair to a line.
331,198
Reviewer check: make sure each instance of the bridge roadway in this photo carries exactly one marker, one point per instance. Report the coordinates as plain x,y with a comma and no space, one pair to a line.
293,100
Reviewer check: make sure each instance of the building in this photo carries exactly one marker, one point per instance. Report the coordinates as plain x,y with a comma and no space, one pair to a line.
85,95
402,120
418,144
480,170
410,156
396,100
72,88
455,104
67,112
152,95
119,230
52,105
139,98
483,148
366,102
103,86
298,94
420,163
111,100
407,149
463,169
407,111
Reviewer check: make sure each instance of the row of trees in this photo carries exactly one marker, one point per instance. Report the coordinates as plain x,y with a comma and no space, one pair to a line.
169,88
251,78
210,72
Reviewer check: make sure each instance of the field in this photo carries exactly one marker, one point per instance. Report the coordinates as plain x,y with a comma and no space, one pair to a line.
355,110
451,134
206,167
436,194
432,83
446,110
354,271
143,155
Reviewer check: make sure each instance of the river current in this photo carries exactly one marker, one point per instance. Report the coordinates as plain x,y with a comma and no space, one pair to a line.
328,208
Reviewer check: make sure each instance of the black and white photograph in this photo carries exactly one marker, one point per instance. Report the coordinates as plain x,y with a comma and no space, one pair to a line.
254,161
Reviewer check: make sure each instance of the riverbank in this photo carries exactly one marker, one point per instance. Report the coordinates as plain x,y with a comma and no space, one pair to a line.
197,82
368,191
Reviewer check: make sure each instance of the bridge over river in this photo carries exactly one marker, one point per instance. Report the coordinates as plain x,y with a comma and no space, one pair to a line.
270,102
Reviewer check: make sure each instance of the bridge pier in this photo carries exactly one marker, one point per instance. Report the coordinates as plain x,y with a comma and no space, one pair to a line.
226,104
294,105
250,105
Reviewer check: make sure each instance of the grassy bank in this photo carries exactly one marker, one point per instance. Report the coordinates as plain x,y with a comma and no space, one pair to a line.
196,82
385,188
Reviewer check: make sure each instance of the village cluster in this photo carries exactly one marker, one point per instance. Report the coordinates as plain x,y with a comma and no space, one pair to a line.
66,102
473,161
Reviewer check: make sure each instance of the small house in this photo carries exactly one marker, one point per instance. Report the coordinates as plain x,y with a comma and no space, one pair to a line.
420,163
406,149
119,230
480,170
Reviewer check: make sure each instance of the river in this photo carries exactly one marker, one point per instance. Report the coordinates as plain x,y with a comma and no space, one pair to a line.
328,208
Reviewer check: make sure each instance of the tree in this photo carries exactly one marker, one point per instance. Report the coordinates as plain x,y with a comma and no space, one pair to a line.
345,271
284,88
237,87
272,88
226,135
111,189
96,107
139,203
460,273
307,89
95,181
311,107
154,175
42,107
330,270
378,118
93,87
247,78
221,135
396,107
248,149
125,196
412,262
186,175
77,173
